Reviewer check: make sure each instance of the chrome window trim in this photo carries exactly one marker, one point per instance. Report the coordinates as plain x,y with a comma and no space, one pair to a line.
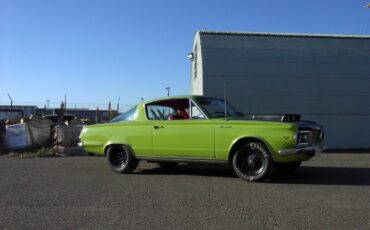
199,108
190,115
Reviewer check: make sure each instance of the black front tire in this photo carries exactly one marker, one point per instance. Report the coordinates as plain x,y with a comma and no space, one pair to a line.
121,160
253,162
287,167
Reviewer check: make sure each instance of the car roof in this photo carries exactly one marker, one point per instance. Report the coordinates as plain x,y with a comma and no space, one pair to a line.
175,97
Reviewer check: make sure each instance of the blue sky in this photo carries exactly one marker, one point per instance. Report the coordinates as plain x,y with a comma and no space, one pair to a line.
97,51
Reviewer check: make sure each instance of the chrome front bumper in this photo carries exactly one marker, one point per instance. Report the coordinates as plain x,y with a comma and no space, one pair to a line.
312,150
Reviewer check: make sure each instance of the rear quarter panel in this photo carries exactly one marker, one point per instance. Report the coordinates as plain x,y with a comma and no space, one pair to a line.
137,134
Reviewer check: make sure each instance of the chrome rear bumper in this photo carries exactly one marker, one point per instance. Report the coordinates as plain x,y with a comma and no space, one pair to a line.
313,149
81,144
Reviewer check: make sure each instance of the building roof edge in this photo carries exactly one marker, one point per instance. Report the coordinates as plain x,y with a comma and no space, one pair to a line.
212,32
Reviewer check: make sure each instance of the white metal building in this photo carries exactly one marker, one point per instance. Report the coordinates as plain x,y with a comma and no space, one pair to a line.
325,78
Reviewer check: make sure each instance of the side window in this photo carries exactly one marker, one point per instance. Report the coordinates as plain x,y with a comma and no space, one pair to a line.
171,109
158,112
195,112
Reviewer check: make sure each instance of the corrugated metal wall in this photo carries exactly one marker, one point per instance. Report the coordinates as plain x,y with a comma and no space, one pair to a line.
326,79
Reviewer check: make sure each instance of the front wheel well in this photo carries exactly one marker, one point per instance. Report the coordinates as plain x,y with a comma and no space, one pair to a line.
241,142
110,145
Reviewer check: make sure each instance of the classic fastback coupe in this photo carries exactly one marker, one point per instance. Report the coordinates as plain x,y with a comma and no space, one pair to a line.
197,129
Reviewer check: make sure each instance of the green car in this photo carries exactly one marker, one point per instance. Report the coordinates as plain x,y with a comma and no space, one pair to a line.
198,129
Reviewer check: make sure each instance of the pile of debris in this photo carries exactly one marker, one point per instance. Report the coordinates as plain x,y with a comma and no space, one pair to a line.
58,131
27,134
2,130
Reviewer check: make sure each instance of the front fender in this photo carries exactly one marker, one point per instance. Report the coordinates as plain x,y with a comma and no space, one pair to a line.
243,139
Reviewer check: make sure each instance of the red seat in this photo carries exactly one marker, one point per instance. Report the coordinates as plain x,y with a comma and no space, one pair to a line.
182,115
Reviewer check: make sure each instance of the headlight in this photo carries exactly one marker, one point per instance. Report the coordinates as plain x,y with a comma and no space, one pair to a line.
304,137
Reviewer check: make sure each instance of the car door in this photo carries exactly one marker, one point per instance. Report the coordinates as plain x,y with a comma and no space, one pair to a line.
183,138
191,137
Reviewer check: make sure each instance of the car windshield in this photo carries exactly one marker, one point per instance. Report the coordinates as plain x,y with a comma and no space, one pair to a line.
216,107
129,115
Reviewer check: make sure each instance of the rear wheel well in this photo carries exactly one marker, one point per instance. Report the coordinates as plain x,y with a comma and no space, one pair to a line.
241,142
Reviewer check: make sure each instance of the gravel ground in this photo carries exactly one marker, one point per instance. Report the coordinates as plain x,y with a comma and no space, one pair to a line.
328,192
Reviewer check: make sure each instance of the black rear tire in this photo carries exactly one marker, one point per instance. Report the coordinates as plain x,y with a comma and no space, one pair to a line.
121,160
287,167
253,162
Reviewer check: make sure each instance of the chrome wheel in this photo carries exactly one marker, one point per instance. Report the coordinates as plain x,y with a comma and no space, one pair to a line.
252,162
255,163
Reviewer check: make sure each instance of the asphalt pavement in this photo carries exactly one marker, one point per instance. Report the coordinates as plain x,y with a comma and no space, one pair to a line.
328,192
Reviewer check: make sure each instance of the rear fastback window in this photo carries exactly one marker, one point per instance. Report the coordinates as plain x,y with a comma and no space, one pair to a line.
129,115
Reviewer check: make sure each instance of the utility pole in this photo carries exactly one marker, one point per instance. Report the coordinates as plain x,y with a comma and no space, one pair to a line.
168,91
65,101
118,105
97,115
47,102
11,102
11,106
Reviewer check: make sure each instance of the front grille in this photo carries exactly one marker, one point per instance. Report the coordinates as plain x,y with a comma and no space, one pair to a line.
316,136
